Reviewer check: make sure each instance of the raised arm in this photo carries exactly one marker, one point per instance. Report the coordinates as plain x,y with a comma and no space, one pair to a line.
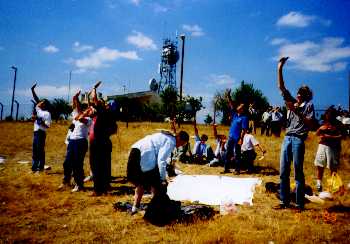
195,129
173,125
36,99
215,132
76,103
280,83
94,93
231,103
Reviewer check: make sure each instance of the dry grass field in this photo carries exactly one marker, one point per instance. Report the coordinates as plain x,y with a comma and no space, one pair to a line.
32,210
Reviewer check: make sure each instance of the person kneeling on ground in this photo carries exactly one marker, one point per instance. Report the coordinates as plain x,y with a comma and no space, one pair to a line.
248,152
147,162
221,148
202,152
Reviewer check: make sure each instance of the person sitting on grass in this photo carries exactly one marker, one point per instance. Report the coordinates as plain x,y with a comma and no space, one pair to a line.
42,121
248,151
221,148
148,160
328,152
202,152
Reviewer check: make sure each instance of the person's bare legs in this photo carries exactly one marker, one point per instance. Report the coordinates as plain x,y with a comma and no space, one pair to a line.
319,172
139,190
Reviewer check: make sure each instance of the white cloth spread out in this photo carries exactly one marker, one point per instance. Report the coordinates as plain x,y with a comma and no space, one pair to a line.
213,189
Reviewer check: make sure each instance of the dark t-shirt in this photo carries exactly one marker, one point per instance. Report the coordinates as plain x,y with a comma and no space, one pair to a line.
295,124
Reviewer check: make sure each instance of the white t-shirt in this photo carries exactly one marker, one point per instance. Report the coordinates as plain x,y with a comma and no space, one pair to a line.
81,130
155,149
42,115
249,142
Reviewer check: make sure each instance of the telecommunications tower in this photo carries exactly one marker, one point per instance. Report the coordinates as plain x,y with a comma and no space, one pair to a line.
167,67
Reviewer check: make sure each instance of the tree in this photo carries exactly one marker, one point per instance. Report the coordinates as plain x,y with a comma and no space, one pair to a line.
208,120
59,107
245,93
169,101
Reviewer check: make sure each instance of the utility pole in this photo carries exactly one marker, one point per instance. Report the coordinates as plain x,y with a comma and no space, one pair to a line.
70,77
17,109
14,88
182,63
2,110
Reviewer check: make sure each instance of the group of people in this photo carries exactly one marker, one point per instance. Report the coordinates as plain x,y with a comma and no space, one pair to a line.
272,121
92,125
146,168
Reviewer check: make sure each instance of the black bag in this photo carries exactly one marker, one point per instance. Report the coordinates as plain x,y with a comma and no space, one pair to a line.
161,210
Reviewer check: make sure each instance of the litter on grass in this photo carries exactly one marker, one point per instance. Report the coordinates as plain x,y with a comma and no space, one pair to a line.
213,189
23,162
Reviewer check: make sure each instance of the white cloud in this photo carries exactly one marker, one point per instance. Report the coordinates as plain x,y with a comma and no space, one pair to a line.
159,8
102,57
318,57
195,30
135,2
48,91
77,47
278,41
51,49
221,80
141,41
295,19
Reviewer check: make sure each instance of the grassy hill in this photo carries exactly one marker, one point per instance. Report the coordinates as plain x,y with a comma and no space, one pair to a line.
32,210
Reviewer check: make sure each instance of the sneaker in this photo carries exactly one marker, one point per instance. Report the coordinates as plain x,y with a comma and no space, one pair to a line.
134,210
62,186
236,172
88,178
77,188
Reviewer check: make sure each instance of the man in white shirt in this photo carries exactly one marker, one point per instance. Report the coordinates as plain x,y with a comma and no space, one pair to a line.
147,162
42,121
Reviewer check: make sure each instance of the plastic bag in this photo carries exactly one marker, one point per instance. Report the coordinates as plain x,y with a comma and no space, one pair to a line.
335,184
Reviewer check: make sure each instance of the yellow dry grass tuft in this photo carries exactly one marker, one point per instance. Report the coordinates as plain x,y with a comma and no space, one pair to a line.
32,210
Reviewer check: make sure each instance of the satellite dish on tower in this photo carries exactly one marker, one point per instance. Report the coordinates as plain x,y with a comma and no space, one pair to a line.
153,85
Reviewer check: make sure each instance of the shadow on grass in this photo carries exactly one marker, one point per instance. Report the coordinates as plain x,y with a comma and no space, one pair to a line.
122,190
266,170
339,209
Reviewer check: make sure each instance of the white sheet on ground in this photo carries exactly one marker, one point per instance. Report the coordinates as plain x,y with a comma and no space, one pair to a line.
213,189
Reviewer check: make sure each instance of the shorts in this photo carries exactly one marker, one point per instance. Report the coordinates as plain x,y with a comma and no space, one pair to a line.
135,174
327,157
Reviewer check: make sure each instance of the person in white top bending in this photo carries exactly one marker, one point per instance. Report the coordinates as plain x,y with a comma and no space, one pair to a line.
147,162
42,121
248,150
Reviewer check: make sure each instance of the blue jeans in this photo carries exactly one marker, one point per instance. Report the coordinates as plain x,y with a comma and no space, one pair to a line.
233,149
293,149
38,157
74,162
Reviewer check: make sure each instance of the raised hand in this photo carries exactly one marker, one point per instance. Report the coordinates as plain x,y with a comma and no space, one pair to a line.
98,83
34,85
283,60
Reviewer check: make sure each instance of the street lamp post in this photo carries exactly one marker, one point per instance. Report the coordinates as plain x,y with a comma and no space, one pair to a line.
14,88
17,107
2,110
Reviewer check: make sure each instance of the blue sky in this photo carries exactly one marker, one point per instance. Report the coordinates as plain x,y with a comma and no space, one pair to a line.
119,42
